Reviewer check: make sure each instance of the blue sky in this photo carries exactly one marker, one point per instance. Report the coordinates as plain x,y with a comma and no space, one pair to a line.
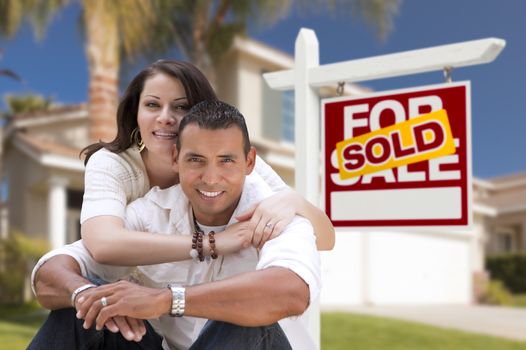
57,67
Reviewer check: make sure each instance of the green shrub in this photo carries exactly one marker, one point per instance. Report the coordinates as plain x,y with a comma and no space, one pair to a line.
497,294
510,269
18,254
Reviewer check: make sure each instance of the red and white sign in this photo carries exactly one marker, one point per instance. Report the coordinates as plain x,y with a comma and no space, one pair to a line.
379,137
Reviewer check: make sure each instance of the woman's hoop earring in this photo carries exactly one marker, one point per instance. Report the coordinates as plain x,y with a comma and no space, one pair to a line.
135,138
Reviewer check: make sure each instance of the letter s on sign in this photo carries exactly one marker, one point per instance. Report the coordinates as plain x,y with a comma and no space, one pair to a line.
335,177
353,158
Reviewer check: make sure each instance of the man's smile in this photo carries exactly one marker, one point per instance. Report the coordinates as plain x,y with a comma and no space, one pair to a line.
210,194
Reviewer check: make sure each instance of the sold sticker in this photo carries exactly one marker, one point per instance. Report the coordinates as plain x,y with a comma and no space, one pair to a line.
422,138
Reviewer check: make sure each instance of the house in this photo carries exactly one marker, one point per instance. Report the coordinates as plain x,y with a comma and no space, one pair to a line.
44,176
500,208
41,150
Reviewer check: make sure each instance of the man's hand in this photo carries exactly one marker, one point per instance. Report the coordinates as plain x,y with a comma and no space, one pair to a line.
132,329
123,299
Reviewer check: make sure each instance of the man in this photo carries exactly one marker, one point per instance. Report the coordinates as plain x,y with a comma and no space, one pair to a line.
244,290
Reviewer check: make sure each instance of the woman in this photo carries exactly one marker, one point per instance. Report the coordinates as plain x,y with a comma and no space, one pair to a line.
140,158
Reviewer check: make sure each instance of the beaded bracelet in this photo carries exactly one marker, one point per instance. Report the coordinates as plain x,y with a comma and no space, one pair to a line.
212,244
197,246
200,253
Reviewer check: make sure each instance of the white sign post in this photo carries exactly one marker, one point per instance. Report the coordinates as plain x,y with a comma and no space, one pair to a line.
307,74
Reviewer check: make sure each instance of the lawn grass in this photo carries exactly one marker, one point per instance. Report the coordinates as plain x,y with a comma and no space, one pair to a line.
349,331
339,331
518,300
19,324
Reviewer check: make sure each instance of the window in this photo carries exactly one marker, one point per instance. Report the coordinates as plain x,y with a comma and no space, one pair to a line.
288,115
278,114
506,239
74,204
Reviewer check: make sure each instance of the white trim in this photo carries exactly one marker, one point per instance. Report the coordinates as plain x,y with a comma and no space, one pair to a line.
490,185
263,52
494,212
62,162
397,64
484,209
51,118
276,159
50,160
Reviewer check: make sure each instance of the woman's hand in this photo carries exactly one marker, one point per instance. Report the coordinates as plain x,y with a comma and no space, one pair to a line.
233,239
271,216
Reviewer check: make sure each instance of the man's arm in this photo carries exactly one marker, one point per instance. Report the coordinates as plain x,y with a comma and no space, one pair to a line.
250,299
56,280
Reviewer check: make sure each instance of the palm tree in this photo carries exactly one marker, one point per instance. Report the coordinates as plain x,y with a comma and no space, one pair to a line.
205,29
27,103
201,29
112,29
8,72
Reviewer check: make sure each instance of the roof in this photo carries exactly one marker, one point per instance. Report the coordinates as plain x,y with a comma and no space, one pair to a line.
63,110
48,153
501,195
42,146
42,149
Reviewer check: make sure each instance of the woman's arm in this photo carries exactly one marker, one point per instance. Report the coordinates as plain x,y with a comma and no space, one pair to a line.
111,180
109,242
279,210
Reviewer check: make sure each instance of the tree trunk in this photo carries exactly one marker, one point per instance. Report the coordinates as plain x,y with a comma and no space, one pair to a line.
102,51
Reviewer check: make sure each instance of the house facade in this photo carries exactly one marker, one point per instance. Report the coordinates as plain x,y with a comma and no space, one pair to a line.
43,175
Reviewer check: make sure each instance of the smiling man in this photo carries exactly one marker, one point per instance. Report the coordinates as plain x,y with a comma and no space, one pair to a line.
243,295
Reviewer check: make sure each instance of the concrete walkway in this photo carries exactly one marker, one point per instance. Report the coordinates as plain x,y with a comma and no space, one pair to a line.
502,322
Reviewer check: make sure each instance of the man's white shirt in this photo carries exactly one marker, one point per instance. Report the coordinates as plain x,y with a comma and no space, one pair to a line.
168,212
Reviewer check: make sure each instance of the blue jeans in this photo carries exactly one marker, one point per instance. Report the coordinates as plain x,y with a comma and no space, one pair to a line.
223,335
63,331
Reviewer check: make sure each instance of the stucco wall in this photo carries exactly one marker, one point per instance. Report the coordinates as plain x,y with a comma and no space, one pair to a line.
389,268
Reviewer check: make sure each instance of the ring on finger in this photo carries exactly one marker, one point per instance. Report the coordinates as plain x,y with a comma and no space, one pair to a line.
269,226
104,301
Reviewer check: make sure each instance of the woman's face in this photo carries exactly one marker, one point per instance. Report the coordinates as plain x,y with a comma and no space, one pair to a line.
162,105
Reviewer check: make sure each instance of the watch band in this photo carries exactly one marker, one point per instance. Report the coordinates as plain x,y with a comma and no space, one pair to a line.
178,300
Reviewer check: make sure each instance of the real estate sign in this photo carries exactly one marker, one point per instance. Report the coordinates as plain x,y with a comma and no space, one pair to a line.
399,159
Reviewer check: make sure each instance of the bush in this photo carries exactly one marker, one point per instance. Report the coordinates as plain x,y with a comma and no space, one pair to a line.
18,254
497,294
510,269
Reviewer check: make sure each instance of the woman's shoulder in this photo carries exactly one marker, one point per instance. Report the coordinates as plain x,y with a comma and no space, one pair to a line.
106,159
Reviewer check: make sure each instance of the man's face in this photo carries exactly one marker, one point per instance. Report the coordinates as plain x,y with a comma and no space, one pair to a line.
212,168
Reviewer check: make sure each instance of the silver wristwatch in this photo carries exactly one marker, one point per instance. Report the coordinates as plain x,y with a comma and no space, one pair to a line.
178,300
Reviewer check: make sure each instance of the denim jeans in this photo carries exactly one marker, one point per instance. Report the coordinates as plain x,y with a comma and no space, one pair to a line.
63,331
223,335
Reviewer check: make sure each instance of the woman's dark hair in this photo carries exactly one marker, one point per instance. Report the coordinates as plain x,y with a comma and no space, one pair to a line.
196,87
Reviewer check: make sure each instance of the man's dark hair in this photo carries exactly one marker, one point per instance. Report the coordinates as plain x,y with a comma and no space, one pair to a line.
214,115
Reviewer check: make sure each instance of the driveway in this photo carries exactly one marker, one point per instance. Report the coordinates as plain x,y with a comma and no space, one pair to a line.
498,321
